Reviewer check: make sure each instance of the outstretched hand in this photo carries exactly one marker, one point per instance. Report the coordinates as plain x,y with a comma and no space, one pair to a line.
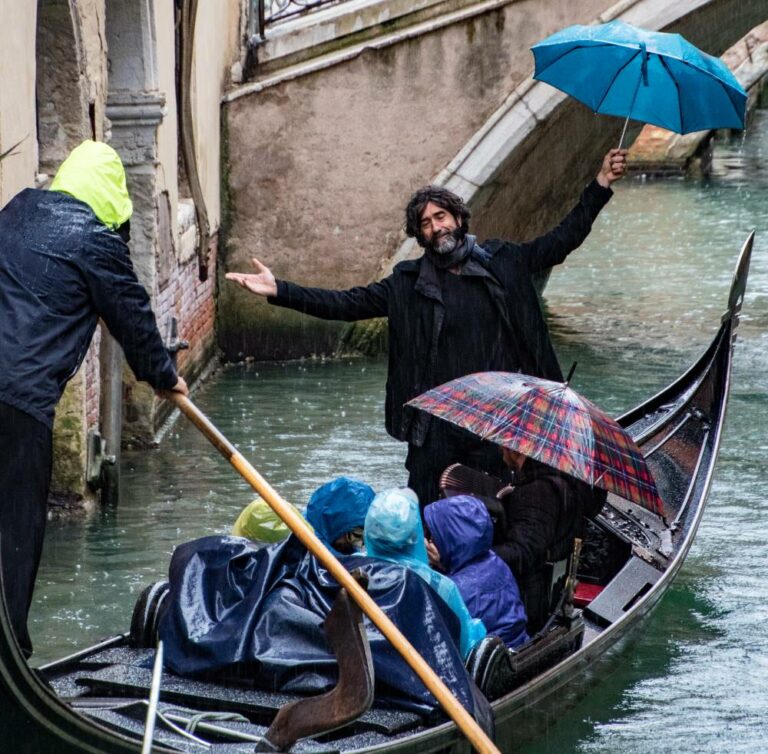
613,168
262,282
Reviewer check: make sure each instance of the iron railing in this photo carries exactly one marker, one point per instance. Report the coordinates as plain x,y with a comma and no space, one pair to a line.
263,13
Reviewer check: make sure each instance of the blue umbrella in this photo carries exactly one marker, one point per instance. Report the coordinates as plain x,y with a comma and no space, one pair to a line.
654,77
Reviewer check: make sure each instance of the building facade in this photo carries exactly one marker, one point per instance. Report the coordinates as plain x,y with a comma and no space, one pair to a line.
147,78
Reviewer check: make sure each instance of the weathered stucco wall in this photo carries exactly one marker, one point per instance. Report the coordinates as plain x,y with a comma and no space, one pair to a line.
217,43
17,102
322,164
165,237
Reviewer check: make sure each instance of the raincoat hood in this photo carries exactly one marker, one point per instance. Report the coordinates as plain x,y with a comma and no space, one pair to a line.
394,532
461,529
259,523
338,507
393,528
94,174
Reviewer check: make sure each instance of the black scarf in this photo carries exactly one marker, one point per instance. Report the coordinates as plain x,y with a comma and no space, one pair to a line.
452,258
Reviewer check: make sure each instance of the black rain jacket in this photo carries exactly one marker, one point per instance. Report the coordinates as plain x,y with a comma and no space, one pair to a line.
543,513
60,270
413,307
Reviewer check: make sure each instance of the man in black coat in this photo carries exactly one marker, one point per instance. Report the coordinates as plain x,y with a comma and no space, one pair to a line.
459,308
64,264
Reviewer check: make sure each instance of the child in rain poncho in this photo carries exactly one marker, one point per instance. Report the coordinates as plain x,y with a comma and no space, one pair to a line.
462,531
393,531
259,523
337,512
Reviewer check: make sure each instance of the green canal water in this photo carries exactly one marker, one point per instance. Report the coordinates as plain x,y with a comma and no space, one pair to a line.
634,306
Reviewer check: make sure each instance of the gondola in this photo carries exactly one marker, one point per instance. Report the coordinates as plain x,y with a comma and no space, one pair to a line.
95,700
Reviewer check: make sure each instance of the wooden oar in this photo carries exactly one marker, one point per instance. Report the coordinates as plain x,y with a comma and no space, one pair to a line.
299,527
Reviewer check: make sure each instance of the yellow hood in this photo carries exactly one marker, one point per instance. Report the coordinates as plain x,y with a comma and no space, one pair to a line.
258,522
94,174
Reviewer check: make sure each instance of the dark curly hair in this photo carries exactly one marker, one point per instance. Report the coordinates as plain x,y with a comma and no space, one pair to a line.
442,197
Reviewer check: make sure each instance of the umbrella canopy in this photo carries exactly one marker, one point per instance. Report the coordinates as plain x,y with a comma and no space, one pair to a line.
548,421
658,78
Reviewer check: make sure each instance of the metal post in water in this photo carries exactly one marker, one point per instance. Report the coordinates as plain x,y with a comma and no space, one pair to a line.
111,415
154,700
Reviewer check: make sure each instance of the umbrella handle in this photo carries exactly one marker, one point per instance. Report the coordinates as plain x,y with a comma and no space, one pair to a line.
304,532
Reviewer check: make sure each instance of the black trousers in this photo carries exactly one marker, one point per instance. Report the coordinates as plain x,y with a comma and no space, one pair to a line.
26,455
446,444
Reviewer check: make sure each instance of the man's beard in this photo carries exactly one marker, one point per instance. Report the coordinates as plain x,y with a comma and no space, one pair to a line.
447,242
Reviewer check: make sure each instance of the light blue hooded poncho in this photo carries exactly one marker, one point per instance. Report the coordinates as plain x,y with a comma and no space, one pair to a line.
394,532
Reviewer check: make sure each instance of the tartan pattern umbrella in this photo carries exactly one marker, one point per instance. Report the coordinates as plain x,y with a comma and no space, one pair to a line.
548,421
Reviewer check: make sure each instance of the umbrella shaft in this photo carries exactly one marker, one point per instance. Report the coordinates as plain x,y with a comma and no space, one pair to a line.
629,114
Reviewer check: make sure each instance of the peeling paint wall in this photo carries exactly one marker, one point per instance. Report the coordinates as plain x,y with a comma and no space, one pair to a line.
17,101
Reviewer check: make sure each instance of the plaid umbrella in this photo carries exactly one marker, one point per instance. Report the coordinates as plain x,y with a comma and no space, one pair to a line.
550,422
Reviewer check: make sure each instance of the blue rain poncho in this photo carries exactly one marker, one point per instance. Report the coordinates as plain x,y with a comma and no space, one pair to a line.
394,532
462,531
337,507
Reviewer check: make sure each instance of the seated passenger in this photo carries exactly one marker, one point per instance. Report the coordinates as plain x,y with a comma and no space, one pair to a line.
337,512
543,514
259,523
461,534
394,532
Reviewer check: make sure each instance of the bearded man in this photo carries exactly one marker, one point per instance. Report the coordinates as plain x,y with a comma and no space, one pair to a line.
462,307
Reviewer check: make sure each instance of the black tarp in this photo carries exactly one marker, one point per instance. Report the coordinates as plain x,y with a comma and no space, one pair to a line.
235,610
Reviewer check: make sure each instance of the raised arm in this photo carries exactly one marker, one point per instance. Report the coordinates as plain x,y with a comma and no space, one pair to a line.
531,527
552,248
361,302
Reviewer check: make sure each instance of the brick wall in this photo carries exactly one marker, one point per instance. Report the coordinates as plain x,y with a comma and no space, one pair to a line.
192,303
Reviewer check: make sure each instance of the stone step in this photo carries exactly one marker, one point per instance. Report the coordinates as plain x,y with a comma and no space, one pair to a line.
657,151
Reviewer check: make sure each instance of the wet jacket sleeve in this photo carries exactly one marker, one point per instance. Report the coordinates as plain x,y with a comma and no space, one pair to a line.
532,512
552,248
361,302
123,304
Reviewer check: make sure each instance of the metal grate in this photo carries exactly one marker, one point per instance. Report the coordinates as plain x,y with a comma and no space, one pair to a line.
263,13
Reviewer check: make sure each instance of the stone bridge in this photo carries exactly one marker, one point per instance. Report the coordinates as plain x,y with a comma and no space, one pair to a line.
348,112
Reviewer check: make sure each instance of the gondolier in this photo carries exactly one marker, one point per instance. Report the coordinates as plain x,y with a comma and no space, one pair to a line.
63,264
460,308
